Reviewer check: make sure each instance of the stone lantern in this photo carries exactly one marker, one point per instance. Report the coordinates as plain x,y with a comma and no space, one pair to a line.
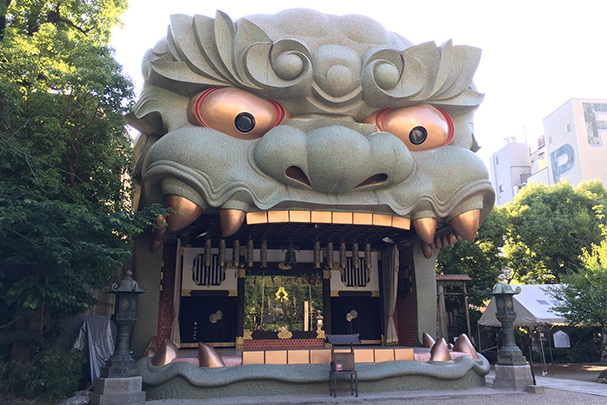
120,381
511,370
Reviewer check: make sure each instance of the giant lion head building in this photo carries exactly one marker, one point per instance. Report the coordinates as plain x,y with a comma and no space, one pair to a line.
309,146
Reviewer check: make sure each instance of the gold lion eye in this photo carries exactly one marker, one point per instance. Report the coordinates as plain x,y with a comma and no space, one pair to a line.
420,127
235,112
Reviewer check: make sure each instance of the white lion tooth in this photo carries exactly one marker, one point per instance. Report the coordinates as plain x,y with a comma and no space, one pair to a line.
231,221
452,239
425,228
440,351
466,224
157,235
426,250
463,344
185,212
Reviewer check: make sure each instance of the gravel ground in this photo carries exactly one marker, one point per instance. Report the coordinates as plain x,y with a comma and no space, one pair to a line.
549,397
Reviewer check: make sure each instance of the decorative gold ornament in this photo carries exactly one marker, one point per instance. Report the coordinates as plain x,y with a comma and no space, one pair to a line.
282,294
240,341
284,334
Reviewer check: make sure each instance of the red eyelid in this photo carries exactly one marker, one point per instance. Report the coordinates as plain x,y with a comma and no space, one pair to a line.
280,112
199,102
379,118
449,124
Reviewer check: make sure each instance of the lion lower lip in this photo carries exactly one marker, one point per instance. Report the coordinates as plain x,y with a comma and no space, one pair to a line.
328,217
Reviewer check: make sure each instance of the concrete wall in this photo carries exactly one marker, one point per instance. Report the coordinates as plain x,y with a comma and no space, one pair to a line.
425,291
146,271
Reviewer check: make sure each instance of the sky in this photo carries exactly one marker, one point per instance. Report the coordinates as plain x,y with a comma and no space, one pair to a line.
537,54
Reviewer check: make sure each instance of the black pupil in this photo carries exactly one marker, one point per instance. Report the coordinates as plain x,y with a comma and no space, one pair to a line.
418,135
244,122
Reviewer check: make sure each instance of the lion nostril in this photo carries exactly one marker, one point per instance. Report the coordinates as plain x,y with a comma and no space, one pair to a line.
377,179
297,174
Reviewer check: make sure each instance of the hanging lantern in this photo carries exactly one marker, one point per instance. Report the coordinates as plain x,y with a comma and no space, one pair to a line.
250,253
343,263
236,254
368,256
330,263
208,255
263,253
317,255
355,259
222,253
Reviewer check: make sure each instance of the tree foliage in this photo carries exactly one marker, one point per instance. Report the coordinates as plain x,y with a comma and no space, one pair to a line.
62,100
66,223
549,227
583,295
481,259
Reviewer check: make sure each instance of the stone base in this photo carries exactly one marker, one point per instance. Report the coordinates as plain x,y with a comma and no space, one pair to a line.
535,389
512,377
117,391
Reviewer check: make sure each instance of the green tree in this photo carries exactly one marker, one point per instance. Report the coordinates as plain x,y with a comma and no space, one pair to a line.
481,259
548,228
66,223
583,295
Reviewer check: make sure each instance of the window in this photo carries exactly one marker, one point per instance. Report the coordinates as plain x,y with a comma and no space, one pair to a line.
568,128
497,160
501,188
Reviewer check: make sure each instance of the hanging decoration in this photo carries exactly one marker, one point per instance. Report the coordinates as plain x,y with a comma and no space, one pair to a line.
208,255
222,253
290,258
317,255
342,255
263,253
250,253
330,258
355,258
236,253
368,263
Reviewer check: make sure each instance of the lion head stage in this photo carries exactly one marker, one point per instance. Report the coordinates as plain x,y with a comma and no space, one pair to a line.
302,117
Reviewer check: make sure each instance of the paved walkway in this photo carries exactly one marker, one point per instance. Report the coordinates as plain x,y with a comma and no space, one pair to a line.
557,391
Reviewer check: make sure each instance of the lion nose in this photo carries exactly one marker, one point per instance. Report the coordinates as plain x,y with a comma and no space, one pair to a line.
334,159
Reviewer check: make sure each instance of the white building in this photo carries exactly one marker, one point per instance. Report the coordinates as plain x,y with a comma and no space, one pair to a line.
571,148
575,148
509,169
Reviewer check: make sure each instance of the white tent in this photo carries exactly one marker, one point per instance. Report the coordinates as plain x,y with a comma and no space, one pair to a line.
532,306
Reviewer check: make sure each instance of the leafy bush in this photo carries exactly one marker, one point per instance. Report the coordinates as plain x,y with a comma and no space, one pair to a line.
52,375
